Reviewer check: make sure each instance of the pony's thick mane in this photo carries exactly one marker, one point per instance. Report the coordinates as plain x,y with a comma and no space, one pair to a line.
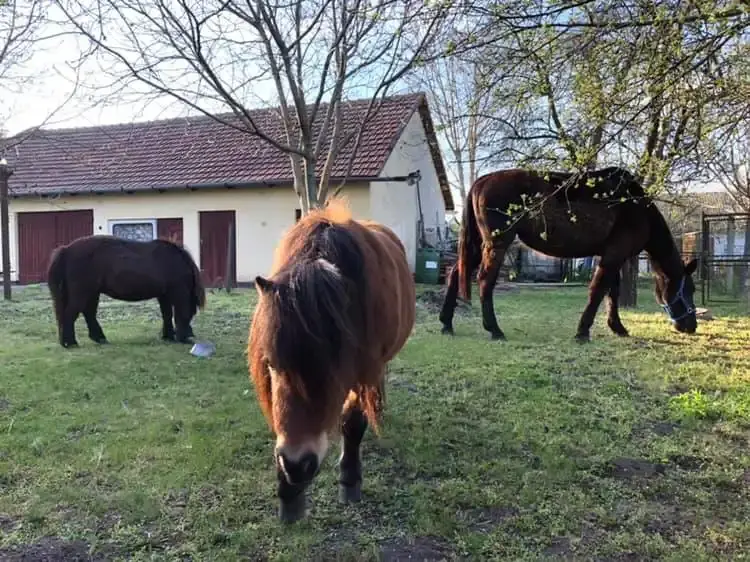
317,316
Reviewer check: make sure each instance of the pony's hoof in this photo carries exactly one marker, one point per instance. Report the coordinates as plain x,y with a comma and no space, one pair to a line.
447,330
583,338
293,510
350,494
70,345
498,336
101,341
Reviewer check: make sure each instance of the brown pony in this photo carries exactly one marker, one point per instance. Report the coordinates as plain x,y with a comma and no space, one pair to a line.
602,213
125,270
338,305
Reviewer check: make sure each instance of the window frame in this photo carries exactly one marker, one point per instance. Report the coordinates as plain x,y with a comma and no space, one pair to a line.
111,223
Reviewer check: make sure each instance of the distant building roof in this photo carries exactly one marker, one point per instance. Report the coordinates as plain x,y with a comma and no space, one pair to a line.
199,152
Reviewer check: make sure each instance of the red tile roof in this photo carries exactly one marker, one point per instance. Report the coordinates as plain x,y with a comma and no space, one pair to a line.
198,152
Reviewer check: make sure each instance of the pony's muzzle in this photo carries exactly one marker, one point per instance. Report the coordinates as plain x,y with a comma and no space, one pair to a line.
298,472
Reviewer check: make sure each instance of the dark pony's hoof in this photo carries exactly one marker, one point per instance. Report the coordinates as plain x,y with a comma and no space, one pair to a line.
293,510
350,494
583,338
447,330
101,341
498,336
70,345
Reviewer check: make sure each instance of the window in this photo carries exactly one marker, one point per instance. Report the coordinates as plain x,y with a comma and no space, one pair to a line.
136,229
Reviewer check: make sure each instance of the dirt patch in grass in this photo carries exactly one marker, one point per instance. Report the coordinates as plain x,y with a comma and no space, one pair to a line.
50,549
432,301
7,523
624,468
487,518
426,549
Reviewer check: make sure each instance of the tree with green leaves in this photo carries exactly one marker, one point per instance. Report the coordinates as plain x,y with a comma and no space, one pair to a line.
307,56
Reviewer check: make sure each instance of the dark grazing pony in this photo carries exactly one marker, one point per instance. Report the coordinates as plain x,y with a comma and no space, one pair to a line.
125,270
603,213
338,304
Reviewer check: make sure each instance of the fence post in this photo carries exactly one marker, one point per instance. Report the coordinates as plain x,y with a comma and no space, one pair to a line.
5,173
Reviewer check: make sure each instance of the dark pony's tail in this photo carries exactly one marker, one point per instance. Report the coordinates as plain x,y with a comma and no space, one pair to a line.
199,291
57,283
469,243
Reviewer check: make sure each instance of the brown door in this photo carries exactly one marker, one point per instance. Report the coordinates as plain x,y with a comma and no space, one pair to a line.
40,233
216,227
169,229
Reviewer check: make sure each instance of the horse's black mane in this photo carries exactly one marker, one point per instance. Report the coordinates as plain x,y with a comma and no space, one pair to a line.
606,184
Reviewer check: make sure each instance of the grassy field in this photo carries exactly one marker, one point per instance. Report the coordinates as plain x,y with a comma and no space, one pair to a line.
534,448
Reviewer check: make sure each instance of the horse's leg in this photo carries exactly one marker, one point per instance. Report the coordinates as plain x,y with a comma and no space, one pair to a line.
89,314
613,308
167,331
598,288
449,304
182,316
492,256
353,427
70,315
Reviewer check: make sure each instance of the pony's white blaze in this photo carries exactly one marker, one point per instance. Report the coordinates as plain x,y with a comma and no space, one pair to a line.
293,452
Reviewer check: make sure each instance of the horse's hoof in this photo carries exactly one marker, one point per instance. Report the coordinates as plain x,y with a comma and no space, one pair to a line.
350,494
498,336
583,338
70,345
447,330
293,510
101,341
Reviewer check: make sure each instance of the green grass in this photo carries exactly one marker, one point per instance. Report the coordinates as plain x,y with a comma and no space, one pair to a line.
622,449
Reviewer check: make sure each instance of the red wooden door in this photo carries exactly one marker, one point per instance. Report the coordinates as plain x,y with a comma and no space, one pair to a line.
41,232
170,229
216,227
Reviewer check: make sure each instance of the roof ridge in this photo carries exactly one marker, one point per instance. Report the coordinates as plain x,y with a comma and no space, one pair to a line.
191,118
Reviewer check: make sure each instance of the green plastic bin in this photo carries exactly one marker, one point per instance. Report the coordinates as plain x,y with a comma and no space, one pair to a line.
427,268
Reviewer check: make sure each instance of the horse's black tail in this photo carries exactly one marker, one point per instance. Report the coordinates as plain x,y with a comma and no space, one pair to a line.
57,283
469,243
199,291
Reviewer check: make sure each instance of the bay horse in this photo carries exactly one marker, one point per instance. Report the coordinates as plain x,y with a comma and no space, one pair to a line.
603,213
126,270
338,305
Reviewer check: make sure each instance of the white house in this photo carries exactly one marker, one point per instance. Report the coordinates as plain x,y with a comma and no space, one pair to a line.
199,181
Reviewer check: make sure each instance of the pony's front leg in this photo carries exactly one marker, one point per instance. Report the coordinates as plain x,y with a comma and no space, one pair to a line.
353,427
96,333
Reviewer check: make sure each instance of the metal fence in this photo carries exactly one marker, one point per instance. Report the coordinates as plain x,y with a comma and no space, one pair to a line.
724,254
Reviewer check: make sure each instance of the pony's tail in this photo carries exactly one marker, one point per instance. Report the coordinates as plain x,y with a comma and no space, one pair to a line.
468,242
199,291
57,283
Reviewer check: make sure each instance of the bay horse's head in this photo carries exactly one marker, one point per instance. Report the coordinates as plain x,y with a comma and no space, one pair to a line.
304,342
675,295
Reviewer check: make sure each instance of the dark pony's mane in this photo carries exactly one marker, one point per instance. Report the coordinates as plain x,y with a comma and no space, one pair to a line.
317,314
606,184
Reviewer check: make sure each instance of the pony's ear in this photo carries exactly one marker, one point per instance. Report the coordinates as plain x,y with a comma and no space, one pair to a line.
263,285
691,266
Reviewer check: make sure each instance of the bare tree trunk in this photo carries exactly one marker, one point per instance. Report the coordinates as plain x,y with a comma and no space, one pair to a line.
629,283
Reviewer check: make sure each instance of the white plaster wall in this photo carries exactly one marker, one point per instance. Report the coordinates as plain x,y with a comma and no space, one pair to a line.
396,203
262,216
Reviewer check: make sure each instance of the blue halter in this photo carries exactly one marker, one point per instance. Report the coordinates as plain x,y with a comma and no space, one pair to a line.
680,296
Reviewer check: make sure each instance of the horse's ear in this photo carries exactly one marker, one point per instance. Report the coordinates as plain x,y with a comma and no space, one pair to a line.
263,285
691,266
